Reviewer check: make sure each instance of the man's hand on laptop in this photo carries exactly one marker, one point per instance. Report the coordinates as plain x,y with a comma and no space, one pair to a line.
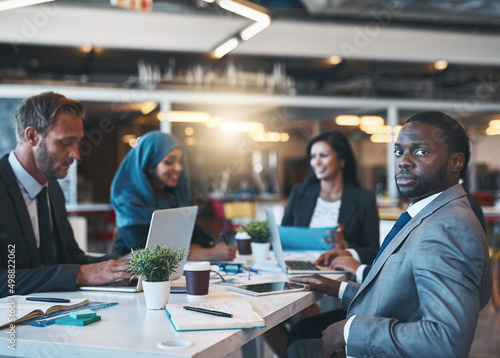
345,263
327,258
101,273
127,257
319,283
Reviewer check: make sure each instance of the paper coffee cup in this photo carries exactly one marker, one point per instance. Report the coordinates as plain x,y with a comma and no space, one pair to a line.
243,240
197,278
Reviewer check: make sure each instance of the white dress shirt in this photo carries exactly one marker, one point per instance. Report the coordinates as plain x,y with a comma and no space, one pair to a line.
30,188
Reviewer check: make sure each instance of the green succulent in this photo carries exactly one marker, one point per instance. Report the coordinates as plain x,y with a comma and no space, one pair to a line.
156,264
258,231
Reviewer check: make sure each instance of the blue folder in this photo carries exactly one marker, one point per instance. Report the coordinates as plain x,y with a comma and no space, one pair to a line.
305,238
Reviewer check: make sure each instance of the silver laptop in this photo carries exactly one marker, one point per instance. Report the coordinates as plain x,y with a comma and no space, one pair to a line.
291,267
169,227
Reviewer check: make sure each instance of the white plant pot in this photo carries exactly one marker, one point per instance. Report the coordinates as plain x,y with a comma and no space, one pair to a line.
156,294
260,252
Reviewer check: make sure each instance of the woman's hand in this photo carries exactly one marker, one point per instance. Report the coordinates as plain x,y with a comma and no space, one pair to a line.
337,237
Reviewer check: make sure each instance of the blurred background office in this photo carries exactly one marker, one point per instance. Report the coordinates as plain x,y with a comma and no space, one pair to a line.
245,84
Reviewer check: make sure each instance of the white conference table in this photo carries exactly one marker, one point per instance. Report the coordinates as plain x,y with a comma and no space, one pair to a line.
128,329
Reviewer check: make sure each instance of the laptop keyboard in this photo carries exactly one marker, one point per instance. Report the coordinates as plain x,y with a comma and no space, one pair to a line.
301,265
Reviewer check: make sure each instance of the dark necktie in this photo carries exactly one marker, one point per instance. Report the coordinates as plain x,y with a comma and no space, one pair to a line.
398,225
46,248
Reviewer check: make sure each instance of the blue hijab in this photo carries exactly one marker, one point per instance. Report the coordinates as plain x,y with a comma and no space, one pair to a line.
133,195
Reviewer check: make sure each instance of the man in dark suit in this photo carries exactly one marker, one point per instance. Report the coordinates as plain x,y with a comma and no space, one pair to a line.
431,276
38,251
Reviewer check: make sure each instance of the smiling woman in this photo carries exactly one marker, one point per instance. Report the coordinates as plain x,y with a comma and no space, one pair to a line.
154,175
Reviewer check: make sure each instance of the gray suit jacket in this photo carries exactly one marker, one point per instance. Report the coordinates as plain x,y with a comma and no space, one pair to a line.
423,295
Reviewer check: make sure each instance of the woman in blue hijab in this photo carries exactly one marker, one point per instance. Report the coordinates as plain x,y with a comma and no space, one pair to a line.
154,175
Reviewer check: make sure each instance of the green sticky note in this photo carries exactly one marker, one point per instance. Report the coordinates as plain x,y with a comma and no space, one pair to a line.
69,321
83,314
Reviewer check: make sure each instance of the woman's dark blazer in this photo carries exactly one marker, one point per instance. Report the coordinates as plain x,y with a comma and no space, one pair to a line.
358,213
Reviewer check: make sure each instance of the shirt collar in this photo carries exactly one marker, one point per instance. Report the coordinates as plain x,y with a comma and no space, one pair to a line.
29,183
414,209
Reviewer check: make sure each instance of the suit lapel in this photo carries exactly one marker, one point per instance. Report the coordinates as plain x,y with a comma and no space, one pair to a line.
14,191
348,207
443,199
306,204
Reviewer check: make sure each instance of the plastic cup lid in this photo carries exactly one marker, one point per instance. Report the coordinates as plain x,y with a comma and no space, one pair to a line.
197,266
242,236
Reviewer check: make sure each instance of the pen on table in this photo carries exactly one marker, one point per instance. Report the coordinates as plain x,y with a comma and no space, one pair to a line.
48,299
249,269
224,238
214,313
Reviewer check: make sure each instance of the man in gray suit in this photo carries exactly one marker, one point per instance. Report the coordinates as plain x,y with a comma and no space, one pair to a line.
428,283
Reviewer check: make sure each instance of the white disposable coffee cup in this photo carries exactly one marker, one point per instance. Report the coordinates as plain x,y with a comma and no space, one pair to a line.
243,240
197,278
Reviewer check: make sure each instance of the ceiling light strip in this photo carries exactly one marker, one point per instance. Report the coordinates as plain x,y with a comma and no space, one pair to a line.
226,47
250,11
252,30
14,4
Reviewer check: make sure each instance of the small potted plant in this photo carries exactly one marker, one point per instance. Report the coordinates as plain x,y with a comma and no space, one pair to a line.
156,264
259,232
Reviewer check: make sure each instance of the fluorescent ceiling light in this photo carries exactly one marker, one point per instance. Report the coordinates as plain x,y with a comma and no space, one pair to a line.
269,137
226,47
492,131
334,60
242,127
148,107
347,120
188,116
372,121
245,9
440,65
214,122
396,130
376,129
14,4
381,138
252,30
494,123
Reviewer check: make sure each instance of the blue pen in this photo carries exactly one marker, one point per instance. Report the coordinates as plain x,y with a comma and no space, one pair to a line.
250,269
48,299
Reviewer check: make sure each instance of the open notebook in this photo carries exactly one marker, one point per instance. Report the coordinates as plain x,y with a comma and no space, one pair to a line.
169,227
243,315
296,266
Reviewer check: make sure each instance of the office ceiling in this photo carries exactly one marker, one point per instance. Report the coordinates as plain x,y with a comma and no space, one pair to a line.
288,58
